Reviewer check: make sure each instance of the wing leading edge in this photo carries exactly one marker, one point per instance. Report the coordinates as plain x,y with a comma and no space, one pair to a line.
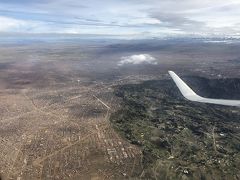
189,94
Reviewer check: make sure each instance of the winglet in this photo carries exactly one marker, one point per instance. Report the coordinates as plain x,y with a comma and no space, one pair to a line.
186,91
189,94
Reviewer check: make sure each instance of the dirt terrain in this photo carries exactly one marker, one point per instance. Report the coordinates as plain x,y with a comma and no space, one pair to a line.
53,127
56,100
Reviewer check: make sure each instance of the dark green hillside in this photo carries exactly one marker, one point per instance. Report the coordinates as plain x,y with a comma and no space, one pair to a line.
182,139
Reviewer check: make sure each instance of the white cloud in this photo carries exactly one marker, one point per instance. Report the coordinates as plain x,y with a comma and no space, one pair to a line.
137,59
157,18
10,23
143,21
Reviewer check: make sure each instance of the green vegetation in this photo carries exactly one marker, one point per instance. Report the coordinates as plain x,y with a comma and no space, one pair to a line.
179,139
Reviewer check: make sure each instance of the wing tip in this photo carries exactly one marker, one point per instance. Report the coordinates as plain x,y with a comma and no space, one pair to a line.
170,72
189,94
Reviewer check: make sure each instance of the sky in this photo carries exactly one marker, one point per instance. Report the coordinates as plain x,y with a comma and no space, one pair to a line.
130,18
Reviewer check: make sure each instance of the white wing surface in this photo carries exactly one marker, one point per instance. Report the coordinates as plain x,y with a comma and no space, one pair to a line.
189,94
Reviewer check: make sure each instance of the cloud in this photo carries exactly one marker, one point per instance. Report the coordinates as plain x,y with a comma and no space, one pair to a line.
179,21
137,59
10,23
157,18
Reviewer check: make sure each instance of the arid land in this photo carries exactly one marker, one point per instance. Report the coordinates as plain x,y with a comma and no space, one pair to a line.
56,100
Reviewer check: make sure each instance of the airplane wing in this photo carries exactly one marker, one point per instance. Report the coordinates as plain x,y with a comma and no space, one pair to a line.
189,94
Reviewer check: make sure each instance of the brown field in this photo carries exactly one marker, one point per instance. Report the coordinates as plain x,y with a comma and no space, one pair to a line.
56,127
